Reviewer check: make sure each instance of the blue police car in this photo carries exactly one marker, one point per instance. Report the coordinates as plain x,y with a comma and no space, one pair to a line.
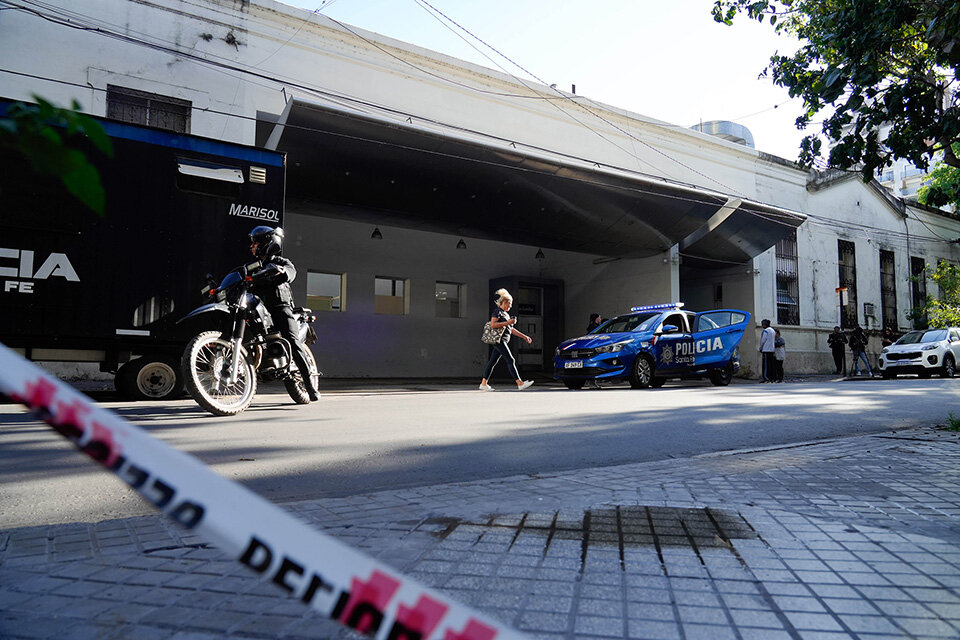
652,344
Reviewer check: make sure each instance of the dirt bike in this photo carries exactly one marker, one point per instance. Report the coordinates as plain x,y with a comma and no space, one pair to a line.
221,366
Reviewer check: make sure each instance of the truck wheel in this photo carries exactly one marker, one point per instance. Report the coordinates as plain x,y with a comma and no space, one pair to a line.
642,372
294,384
204,363
572,384
152,378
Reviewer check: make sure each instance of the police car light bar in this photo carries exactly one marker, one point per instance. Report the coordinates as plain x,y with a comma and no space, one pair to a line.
654,307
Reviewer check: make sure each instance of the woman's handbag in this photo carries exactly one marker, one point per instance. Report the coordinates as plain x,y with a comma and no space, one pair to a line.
491,335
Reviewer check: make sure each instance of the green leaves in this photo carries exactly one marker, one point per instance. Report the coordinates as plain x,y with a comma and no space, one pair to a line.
47,137
869,65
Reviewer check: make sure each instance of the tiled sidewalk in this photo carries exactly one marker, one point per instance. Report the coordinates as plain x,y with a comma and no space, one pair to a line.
851,538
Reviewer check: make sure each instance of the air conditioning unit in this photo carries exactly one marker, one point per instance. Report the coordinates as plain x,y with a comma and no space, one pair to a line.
868,309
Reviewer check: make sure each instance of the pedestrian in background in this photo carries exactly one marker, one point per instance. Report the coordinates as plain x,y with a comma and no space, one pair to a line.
779,354
858,345
766,349
837,341
500,319
595,321
888,337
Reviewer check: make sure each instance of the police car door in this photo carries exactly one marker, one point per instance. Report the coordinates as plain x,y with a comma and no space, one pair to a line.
673,350
716,334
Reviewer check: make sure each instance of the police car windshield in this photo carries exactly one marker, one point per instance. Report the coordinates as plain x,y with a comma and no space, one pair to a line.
632,322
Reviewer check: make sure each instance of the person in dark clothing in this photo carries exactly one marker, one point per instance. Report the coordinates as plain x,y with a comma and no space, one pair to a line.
888,337
500,319
858,345
272,285
837,341
595,321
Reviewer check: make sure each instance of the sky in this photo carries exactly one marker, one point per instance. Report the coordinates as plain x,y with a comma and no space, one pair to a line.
665,60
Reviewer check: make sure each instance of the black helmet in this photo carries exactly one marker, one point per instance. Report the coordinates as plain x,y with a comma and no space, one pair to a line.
269,240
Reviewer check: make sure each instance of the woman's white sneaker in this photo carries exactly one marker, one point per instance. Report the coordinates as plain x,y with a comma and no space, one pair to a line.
526,384
486,387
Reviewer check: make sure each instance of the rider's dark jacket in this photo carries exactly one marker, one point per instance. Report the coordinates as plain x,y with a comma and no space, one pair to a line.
274,289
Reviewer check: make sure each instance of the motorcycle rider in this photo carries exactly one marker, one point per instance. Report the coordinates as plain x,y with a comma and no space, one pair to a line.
272,285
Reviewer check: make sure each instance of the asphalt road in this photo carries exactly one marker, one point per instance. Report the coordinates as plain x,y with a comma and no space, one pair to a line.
354,442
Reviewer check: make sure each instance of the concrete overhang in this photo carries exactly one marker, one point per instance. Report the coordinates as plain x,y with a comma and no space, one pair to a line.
383,170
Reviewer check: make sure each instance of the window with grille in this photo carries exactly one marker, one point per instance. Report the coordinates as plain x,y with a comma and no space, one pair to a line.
788,288
888,289
847,260
152,109
918,288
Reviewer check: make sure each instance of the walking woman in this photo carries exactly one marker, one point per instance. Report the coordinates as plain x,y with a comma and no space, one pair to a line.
500,319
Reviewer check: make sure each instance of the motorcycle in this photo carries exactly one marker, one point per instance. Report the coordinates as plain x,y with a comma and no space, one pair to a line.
221,366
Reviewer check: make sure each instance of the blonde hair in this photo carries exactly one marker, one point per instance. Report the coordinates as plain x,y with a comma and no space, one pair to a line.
502,294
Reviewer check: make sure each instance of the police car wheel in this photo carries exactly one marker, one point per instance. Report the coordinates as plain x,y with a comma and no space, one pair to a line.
721,377
642,373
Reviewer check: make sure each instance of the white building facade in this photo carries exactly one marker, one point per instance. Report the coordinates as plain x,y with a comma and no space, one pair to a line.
472,178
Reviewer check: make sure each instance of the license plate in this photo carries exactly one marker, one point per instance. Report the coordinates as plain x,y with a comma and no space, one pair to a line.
573,364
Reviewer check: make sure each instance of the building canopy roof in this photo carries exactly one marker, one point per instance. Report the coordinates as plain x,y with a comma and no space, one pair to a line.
382,170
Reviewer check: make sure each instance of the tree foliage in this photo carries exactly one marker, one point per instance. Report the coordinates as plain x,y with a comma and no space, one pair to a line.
46,136
864,66
943,185
943,310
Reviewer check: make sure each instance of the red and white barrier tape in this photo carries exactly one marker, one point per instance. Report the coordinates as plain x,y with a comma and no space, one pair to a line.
319,570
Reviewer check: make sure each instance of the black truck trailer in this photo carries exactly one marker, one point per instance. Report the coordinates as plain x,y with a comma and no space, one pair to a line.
79,287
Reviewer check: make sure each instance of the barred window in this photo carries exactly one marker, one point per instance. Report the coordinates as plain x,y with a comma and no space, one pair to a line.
888,289
788,288
847,259
152,109
918,289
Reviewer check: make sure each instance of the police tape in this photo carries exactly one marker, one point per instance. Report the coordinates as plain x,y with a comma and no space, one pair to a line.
320,571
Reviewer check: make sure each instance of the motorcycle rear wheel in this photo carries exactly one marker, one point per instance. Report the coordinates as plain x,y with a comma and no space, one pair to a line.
294,384
204,361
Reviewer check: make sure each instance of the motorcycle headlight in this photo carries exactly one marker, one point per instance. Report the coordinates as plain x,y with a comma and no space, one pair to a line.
613,348
929,347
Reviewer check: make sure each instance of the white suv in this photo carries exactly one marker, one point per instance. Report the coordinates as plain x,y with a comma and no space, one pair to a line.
924,353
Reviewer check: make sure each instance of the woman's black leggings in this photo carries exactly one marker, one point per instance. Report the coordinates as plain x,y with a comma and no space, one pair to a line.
501,350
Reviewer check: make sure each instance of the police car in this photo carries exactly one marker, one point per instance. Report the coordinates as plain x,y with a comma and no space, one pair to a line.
652,344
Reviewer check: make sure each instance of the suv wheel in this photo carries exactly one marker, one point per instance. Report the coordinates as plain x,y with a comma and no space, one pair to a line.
949,367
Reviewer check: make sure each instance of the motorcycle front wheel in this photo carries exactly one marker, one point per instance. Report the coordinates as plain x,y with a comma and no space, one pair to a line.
294,384
206,365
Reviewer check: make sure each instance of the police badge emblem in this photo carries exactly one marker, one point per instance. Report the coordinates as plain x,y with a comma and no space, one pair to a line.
666,355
